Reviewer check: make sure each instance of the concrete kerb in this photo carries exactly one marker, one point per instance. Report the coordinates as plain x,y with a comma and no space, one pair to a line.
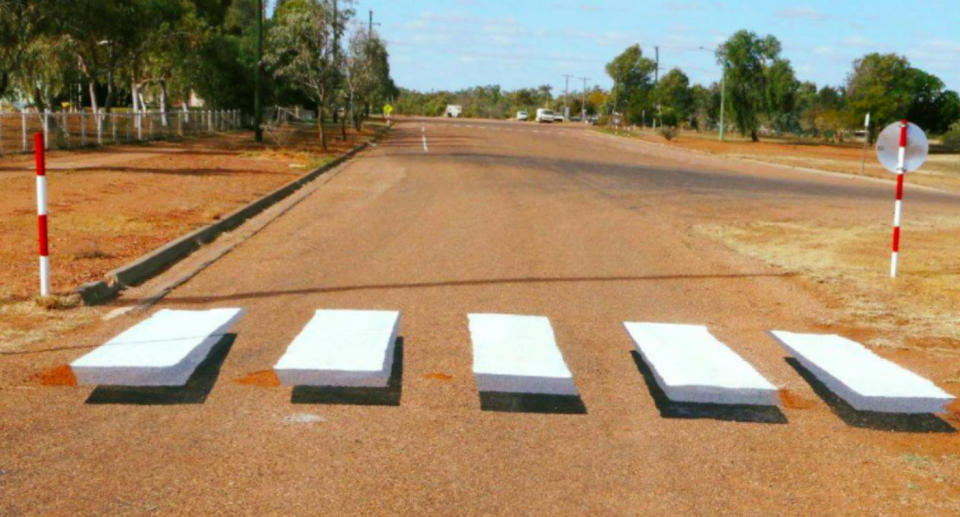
160,259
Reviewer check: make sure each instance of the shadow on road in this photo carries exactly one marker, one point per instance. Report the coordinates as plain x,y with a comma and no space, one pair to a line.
730,412
531,403
464,283
900,422
195,391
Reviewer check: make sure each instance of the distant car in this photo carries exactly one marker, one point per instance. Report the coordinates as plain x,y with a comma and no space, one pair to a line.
558,117
522,115
544,115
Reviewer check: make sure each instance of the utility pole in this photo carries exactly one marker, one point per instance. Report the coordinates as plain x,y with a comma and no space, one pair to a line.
656,71
566,95
370,25
257,111
583,100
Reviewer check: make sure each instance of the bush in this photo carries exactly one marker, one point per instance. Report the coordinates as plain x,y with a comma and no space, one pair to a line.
951,139
668,132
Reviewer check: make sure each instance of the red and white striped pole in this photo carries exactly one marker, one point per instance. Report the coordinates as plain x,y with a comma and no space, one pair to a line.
42,214
898,204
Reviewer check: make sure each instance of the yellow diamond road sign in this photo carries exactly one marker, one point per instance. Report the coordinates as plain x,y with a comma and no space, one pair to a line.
387,109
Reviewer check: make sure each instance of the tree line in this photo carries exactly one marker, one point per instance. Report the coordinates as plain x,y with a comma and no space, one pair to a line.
762,95
135,53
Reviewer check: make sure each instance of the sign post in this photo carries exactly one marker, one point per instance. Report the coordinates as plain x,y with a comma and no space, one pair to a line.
866,138
42,214
902,147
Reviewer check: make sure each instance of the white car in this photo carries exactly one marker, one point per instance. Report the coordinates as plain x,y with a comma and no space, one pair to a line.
558,117
522,115
544,115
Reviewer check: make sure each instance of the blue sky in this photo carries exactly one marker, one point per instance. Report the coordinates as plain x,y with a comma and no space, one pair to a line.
458,43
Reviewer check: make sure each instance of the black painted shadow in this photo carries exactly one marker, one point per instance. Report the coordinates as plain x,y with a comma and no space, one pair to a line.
899,422
729,412
531,403
195,391
362,396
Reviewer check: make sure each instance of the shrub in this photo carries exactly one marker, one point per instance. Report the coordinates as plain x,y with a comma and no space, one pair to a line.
668,132
951,139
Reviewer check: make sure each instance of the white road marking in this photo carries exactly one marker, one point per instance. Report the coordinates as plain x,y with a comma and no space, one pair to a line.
341,348
865,380
691,365
162,350
518,354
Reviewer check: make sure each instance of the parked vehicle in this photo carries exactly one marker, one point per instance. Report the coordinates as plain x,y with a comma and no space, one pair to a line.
558,117
544,115
522,115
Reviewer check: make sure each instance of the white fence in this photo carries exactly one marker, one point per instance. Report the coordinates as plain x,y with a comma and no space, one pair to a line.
68,130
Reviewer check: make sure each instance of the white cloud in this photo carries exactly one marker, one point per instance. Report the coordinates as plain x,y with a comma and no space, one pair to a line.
800,13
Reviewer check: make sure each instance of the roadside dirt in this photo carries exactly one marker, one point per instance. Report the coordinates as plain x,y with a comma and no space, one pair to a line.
942,170
851,262
108,206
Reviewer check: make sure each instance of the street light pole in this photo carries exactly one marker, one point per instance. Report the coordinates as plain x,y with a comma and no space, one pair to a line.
583,100
257,111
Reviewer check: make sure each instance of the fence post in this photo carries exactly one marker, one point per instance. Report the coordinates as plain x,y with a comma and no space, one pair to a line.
210,121
180,123
23,128
65,128
99,118
113,126
83,127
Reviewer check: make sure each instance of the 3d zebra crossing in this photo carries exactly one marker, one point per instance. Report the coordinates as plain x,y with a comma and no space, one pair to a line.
511,354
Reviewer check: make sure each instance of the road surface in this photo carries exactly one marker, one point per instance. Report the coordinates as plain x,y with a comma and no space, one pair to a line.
444,218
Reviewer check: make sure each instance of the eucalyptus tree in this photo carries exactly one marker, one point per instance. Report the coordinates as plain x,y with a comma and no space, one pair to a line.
301,51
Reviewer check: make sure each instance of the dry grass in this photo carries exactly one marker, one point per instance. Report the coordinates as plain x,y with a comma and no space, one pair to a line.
940,170
852,262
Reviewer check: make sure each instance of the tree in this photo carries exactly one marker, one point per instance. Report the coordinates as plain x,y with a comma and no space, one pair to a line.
674,97
632,86
750,64
931,106
886,86
368,72
879,85
781,96
301,51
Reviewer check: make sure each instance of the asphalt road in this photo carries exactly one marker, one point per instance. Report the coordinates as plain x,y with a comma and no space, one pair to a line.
584,228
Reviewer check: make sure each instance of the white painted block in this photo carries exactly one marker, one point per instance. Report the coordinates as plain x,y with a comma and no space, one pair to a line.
865,380
342,348
518,354
162,350
690,365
